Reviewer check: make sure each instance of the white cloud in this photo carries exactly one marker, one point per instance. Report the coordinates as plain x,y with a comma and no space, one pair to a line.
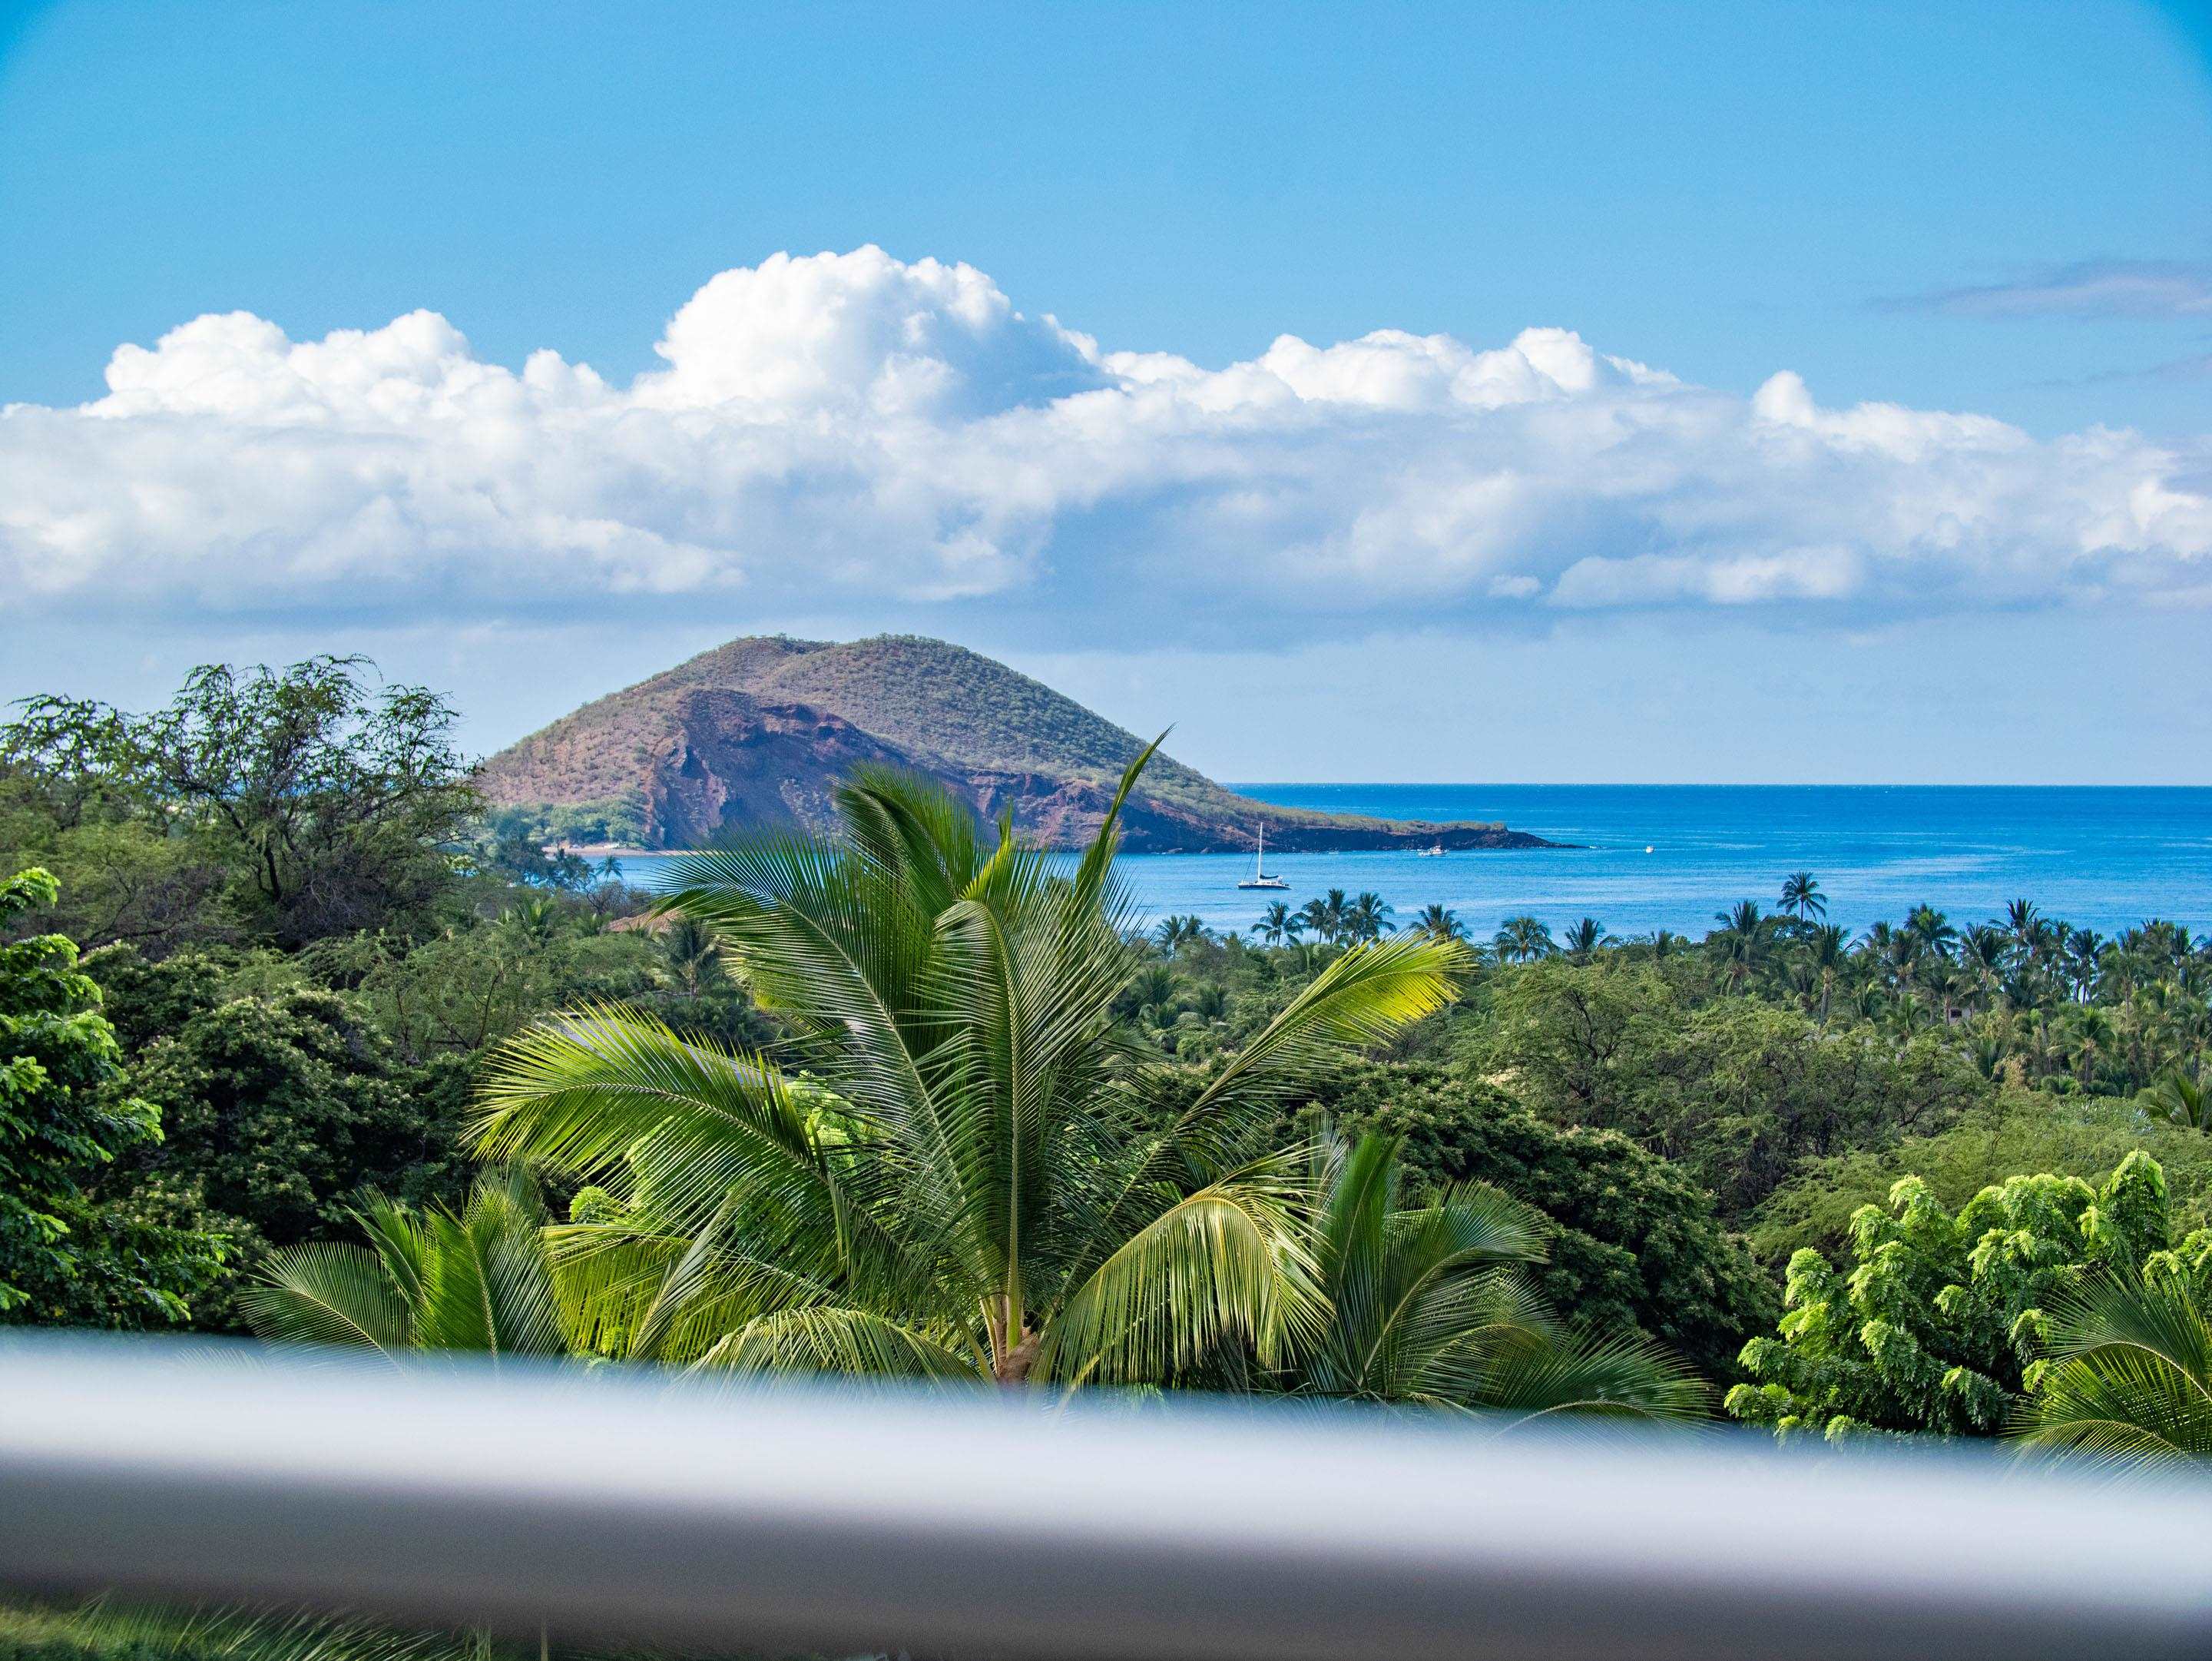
850,429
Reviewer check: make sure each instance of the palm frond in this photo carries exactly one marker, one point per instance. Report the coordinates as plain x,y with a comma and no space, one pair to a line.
838,1339
1361,999
2128,1380
328,1293
1224,1265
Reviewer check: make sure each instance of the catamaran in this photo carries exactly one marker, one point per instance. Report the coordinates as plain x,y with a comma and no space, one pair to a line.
1260,879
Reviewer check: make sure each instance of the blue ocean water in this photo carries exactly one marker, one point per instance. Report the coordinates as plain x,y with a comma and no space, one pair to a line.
2099,857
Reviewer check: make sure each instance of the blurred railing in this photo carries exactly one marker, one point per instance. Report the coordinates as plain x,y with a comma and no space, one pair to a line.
613,1506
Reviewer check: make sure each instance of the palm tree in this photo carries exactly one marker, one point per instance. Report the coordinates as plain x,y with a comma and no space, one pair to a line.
534,922
1827,953
692,954
1175,932
1985,950
1932,930
1326,917
1585,940
2022,917
1522,940
1802,897
1439,922
1278,925
1741,940
478,1279
1152,994
2093,1037
973,1176
2127,1374
2181,1100
2085,952
1430,1305
1365,918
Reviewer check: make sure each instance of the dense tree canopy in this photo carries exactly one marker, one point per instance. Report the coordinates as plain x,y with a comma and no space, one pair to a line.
1735,1090
68,1251
315,800
1633,1243
1938,1324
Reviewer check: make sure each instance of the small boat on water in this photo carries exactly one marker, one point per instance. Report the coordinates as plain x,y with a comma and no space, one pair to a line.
1433,851
1260,879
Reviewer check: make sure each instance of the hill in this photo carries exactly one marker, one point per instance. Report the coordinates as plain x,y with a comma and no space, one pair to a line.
759,731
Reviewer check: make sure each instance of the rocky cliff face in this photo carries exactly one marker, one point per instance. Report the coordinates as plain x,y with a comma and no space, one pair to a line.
742,737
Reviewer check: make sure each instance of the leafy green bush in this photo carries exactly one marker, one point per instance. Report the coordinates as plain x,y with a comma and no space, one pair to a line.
1636,1246
68,1252
2072,1135
1937,1324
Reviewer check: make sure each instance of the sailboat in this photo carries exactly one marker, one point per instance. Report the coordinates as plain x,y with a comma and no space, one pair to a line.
1260,879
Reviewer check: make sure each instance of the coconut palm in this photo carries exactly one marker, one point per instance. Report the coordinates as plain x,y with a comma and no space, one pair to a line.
2127,1373
535,921
131,1628
1173,934
2093,1035
1985,950
1278,925
478,1279
1741,941
2181,1100
1802,897
1326,917
1367,917
1429,1304
1441,922
2084,953
1829,956
1585,940
1935,933
959,1169
692,955
1522,940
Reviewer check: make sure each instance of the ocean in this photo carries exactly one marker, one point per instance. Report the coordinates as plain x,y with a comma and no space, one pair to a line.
1669,856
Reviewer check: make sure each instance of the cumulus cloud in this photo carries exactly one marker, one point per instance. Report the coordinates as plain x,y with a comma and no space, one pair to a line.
850,429
2094,288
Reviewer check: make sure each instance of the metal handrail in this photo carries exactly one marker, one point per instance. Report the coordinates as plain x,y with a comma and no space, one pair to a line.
615,1504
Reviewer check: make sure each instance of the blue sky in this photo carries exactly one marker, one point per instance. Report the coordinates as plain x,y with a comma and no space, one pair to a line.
1446,559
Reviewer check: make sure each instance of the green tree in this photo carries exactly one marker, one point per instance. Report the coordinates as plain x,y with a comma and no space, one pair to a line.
1429,1304
2180,1099
956,1185
1584,940
479,1279
279,1107
68,1253
1522,940
1936,1328
1368,917
330,801
1441,922
1741,943
1738,1091
1802,897
1633,1243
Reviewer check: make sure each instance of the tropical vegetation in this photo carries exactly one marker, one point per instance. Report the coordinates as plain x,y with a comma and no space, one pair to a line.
296,1030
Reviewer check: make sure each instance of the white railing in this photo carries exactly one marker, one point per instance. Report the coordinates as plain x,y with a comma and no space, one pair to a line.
614,1506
